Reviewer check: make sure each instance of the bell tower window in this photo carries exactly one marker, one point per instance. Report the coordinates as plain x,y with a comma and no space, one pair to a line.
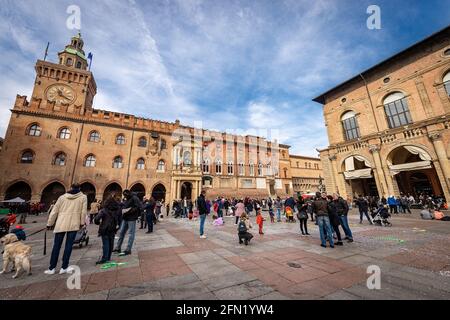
69,62
78,65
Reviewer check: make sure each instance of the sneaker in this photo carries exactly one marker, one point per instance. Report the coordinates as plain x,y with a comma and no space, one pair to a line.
332,247
339,243
49,271
303,233
149,232
350,240
101,262
323,246
68,270
307,234
125,253
116,250
203,237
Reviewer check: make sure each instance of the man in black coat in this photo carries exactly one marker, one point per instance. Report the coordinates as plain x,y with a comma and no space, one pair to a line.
203,211
363,206
149,211
130,213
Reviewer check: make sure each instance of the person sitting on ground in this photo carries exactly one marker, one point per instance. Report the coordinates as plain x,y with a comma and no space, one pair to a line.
243,227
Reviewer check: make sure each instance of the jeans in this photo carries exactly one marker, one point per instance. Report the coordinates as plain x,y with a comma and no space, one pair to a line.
131,227
202,223
303,225
57,244
278,214
325,226
108,244
150,221
361,213
346,227
185,212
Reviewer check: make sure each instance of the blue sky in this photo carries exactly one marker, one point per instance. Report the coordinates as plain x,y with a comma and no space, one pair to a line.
237,66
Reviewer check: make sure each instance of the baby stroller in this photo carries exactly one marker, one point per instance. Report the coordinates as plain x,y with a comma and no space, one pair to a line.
381,217
81,237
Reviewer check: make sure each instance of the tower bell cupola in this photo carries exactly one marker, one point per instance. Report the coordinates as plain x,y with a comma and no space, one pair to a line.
73,54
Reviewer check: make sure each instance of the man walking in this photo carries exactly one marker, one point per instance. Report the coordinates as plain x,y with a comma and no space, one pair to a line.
203,211
363,207
66,218
342,211
320,206
131,211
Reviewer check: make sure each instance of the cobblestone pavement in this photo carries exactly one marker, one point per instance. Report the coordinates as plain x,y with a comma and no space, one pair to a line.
173,263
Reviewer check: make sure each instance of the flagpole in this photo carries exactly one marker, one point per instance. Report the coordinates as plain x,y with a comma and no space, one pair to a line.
46,51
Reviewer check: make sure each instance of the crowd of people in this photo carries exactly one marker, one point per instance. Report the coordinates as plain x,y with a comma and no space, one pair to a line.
120,214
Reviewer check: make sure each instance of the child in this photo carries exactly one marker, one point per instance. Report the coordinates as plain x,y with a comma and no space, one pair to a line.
272,218
260,221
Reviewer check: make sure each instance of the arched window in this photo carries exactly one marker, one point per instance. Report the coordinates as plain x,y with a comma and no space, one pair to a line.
64,133
78,65
161,166
350,125
27,156
117,162
206,166
241,169
230,168
94,136
447,82
251,169
163,144
397,111
142,142
219,167
89,161
60,159
120,139
69,62
140,164
34,130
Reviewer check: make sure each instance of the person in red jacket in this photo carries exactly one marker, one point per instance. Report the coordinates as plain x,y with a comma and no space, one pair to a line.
260,221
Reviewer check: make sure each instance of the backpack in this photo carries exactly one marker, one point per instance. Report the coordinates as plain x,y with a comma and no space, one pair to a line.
242,228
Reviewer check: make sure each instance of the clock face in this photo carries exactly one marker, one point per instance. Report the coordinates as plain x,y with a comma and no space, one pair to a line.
60,93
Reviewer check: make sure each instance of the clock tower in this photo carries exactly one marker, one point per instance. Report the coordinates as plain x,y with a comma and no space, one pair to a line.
66,85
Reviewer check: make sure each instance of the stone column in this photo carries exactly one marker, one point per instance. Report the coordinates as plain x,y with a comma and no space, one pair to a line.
436,138
333,174
379,172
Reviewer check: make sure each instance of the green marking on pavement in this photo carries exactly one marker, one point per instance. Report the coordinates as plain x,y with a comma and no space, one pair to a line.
112,264
391,239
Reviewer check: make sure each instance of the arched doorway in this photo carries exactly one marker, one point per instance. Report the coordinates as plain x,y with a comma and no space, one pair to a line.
51,193
112,188
186,190
89,190
358,175
414,171
19,189
159,192
139,189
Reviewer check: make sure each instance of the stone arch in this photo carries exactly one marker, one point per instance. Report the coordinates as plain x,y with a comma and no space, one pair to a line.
52,192
139,189
19,188
112,187
389,151
159,191
89,189
355,154
391,91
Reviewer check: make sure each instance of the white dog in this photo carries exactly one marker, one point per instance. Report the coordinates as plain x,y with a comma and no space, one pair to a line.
16,252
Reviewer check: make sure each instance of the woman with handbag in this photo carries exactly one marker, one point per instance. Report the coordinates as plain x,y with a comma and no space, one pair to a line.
302,216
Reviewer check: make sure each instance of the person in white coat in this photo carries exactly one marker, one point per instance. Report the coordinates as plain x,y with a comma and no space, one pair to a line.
66,218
